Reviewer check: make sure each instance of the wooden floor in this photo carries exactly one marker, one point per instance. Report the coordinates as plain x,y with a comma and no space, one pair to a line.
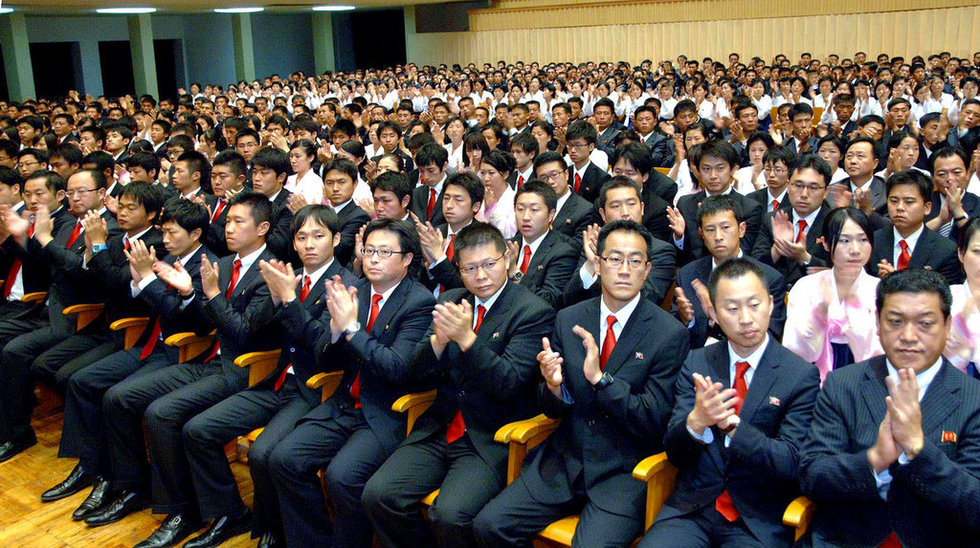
27,522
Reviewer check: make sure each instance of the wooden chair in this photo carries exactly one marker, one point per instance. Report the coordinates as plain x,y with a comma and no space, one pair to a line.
664,170
413,405
132,328
774,114
798,515
50,400
190,345
260,365
85,314
817,114
36,297
326,382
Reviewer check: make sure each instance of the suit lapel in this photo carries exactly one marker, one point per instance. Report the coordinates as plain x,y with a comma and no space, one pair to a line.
495,316
537,259
939,401
633,332
923,249
766,373
873,387
389,309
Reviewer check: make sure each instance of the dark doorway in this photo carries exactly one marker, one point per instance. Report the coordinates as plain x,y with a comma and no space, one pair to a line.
379,37
169,57
4,91
57,68
116,60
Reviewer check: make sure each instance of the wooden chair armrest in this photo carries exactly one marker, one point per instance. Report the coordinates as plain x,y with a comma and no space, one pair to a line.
185,338
86,313
659,475
521,437
326,382
133,328
798,515
36,297
191,345
259,364
414,405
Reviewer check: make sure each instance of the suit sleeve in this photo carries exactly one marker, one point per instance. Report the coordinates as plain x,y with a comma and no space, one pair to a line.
298,321
552,406
682,448
391,362
163,302
446,274
777,320
240,327
663,264
558,272
761,249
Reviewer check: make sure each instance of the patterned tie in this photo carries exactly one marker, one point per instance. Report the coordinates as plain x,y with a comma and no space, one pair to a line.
74,235
903,257
724,503
432,204
218,208
608,343
801,235
457,427
234,278
526,260
355,387
578,182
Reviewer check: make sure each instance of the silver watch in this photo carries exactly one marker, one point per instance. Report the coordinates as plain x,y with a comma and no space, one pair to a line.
352,328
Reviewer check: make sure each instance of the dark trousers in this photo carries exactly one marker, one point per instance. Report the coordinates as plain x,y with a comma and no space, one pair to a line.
392,497
205,435
514,517
57,364
351,452
706,527
17,388
82,435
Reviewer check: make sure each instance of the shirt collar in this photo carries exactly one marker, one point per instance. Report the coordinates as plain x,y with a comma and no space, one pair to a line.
810,219
622,316
535,244
274,196
18,205
342,206
753,359
191,194
438,186
187,258
318,273
924,379
249,259
776,198
580,172
526,174
137,236
489,302
714,265
562,200
911,240
386,295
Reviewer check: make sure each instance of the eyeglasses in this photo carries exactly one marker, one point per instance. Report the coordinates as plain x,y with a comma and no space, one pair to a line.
80,192
799,187
486,266
551,175
616,261
776,170
368,252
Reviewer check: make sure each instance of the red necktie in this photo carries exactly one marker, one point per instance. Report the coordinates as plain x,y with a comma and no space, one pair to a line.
74,235
801,235
15,269
904,257
526,260
578,182
450,253
891,542
126,244
608,343
305,292
432,204
152,341
457,427
724,503
775,205
234,278
520,181
355,387
219,207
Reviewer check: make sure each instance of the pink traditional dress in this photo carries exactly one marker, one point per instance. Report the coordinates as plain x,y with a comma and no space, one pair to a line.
963,346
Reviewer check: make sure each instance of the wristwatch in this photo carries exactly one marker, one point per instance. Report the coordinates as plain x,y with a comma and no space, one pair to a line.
99,247
605,381
517,276
352,328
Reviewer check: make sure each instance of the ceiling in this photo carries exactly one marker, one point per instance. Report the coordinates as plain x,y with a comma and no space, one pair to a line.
78,7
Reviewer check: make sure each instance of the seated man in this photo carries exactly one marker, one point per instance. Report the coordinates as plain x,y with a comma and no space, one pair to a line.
282,398
572,212
788,238
270,168
432,160
479,352
888,459
614,401
656,189
227,178
909,243
371,329
862,188
721,228
619,200
461,201
544,260
950,171
339,178
734,493
778,163
715,162
585,178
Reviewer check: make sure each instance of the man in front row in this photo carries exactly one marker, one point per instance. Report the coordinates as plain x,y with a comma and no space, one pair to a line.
737,471
609,371
892,454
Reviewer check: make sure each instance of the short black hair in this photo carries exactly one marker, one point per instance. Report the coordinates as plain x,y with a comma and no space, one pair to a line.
52,180
626,226
914,280
733,269
432,154
394,182
549,157
637,154
814,162
476,234
719,203
469,182
542,189
912,177
322,215
10,176
526,142
103,160
948,152
69,152
344,166
408,237
259,204
148,161
782,154
580,129
619,181
272,158
188,214
145,194
98,177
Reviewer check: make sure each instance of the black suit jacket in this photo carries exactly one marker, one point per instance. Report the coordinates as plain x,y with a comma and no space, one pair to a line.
931,501
573,218
551,267
352,218
592,182
381,357
693,246
110,269
494,382
420,204
214,237
663,266
164,302
931,250
759,467
701,270
790,269
761,196
280,235
606,139
605,433
878,194
661,148
793,145
35,269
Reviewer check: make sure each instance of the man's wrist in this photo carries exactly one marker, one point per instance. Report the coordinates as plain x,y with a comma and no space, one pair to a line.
466,341
694,425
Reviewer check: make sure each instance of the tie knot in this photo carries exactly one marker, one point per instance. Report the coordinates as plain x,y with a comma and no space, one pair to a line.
238,264
376,299
904,245
527,250
741,368
801,223
611,320
481,310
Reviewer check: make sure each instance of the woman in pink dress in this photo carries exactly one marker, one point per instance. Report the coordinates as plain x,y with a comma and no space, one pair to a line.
963,346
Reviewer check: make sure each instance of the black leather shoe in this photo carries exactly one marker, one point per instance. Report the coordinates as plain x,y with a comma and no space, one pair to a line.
270,540
220,530
77,480
12,448
175,528
127,503
94,502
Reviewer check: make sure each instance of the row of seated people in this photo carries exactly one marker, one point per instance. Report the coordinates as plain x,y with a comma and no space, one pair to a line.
186,430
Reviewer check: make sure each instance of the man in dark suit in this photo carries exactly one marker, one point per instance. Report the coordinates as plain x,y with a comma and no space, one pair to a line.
661,147
573,213
282,398
737,470
338,184
860,164
233,299
227,178
70,284
909,243
803,140
192,173
480,354
544,260
966,134
788,238
716,161
619,200
182,224
721,228
949,167
427,197
890,454
778,164
613,393
524,149
270,168
657,190
603,112
371,334
462,199
585,178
